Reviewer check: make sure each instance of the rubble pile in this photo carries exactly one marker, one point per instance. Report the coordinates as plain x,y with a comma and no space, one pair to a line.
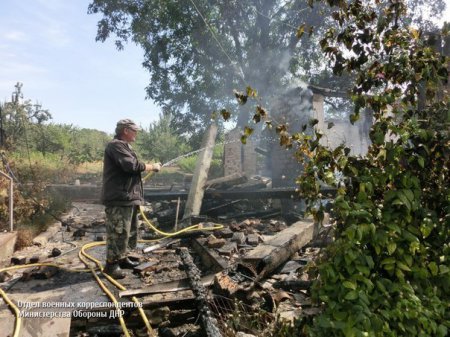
241,279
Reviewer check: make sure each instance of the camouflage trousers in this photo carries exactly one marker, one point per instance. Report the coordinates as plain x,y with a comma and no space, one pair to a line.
121,231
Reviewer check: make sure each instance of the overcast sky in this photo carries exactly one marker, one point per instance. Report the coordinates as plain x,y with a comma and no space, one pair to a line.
49,46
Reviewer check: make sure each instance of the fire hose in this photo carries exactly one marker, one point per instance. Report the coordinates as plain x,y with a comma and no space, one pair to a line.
85,258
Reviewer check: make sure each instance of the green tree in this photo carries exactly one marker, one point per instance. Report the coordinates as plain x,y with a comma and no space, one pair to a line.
197,52
161,141
388,271
16,119
86,145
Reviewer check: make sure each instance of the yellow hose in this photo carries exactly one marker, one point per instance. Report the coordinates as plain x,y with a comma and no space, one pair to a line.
83,255
187,229
18,321
105,289
114,282
5,297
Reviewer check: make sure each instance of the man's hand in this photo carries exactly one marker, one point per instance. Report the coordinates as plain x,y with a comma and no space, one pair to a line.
153,167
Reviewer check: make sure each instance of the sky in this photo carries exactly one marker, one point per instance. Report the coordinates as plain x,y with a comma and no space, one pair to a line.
50,47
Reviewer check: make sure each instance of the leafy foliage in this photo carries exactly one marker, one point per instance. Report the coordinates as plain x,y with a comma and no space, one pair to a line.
25,129
388,271
198,51
189,163
36,153
161,141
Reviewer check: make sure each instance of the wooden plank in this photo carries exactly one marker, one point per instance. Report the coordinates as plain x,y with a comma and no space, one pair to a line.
210,259
227,181
167,287
275,193
183,299
195,197
268,256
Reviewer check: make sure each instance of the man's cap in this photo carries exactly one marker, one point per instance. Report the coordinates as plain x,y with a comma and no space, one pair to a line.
128,123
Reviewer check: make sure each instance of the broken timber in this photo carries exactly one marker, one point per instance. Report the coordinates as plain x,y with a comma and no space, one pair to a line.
167,287
268,256
227,181
265,193
195,197
210,258
209,322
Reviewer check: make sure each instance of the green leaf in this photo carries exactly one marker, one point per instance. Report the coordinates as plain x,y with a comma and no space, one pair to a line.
363,269
443,269
408,259
339,315
391,247
349,331
404,199
403,266
389,260
349,285
426,227
421,162
433,268
380,286
351,295
442,330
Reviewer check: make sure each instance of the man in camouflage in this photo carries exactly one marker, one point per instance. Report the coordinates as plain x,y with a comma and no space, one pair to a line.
122,194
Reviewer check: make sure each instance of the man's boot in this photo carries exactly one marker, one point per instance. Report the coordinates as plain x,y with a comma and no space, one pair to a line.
113,270
126,263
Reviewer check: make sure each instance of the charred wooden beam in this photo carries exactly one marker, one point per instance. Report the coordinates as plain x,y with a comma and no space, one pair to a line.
265,193
293,285
208,320
183,299
227,181
271,254
210,258
167,287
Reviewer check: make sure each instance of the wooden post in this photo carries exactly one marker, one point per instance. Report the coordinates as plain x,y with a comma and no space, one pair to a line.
195,196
